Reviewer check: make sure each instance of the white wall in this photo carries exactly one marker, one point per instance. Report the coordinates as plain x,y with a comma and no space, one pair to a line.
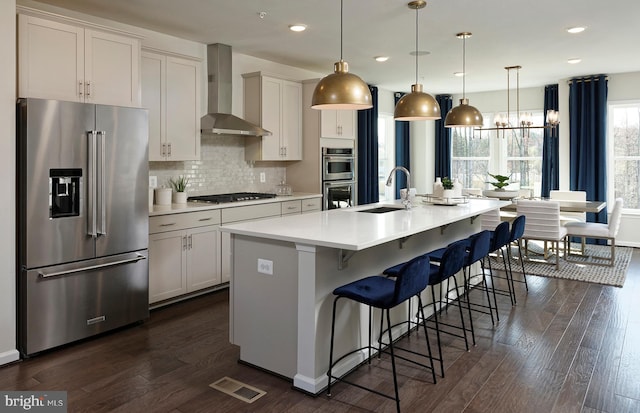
8,352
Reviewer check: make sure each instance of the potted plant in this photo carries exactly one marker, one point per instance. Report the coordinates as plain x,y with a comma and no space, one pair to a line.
499,191
501,181
447,186
179,185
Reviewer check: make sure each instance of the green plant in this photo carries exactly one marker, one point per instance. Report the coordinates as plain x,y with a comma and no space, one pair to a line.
180,183
446,183
502,181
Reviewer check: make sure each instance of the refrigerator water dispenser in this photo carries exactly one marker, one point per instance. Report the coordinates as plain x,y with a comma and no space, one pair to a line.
64,190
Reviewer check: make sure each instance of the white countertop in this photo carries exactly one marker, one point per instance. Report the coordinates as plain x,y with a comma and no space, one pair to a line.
352,230
201,206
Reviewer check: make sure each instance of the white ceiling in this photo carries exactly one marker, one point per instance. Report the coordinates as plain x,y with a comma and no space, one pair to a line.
505,33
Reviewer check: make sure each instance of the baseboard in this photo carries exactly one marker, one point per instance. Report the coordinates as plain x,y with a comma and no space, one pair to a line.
9,357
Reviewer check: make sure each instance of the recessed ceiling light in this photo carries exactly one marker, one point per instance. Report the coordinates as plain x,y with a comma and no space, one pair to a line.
574,60
574,30
298,27
381,58
458,74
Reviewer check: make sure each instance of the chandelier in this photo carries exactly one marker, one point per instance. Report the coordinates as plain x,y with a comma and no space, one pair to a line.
502,121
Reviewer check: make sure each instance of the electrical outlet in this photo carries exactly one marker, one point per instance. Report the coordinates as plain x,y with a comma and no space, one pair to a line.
153,181
263,177
265,266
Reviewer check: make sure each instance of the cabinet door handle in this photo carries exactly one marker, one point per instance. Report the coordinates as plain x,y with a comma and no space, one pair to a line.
80,89
190,241
88,91
184,243
169,146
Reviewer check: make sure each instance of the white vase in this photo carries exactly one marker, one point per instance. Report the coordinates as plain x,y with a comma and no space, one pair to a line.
179,197
448,194
437,188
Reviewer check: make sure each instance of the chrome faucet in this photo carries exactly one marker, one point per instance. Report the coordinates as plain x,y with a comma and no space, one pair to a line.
406,202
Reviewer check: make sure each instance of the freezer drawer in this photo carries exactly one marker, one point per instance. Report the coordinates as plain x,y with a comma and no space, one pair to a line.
65,303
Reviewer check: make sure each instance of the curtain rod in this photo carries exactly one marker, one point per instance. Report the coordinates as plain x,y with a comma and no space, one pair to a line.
586,79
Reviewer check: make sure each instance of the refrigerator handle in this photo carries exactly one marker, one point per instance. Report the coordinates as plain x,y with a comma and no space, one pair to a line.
137,258
91,184
100,189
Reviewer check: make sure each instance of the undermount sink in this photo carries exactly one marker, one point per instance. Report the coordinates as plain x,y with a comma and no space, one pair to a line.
383,209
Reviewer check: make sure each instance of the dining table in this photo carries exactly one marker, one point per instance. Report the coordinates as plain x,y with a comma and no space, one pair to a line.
568,206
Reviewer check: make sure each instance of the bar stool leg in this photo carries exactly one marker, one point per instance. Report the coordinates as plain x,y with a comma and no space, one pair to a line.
333,330
465,291
393,361
424,327
493,288
435,316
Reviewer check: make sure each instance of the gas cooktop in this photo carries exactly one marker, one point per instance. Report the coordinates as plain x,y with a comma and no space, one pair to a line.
233,197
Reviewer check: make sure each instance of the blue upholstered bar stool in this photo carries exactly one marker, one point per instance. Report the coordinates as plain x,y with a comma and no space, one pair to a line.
385,293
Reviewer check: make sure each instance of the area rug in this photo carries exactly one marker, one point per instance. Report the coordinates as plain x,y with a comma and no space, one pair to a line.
536,265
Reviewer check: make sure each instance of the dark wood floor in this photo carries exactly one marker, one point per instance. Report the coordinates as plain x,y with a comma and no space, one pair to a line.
566,347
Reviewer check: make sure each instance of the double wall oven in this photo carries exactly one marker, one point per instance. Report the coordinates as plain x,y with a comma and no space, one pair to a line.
338,178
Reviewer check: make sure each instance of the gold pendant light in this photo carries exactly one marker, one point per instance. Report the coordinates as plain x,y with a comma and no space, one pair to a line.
417,105
464,115
341,90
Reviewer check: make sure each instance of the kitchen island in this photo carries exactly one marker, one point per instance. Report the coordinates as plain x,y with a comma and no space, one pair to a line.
285,269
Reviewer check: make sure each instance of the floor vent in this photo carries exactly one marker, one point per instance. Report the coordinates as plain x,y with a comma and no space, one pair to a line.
241,391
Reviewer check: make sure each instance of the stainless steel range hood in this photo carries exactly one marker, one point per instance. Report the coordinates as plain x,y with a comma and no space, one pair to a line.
219,120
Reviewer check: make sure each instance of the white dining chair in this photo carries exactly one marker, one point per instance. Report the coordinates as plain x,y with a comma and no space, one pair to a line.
566,217
596,230
490,220
542,223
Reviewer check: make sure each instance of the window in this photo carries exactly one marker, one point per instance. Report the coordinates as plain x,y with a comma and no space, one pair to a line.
469,158
624,153
524,155
511,153
386,155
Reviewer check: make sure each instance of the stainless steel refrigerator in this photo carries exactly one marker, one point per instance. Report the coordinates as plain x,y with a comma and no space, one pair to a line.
82,220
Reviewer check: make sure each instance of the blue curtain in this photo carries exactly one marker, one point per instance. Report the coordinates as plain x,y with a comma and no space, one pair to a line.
368,152
403,148
587,141
443,139
550,147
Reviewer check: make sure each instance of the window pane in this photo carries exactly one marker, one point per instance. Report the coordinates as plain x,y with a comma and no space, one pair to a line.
526,172
625,131
627,182
466,146
471,173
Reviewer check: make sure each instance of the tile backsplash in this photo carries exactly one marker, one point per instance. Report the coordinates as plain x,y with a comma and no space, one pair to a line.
221,169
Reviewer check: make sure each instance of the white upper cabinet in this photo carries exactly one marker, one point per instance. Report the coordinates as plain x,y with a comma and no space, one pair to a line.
338,124
63,61
171,93
276,105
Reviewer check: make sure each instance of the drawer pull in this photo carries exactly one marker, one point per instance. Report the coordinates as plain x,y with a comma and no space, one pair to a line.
291,207
167,225
205,219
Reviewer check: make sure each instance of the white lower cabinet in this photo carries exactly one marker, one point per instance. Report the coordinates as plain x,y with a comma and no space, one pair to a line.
183,261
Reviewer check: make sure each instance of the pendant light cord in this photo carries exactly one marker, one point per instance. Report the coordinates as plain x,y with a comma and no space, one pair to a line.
341,12
416,45
464,63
